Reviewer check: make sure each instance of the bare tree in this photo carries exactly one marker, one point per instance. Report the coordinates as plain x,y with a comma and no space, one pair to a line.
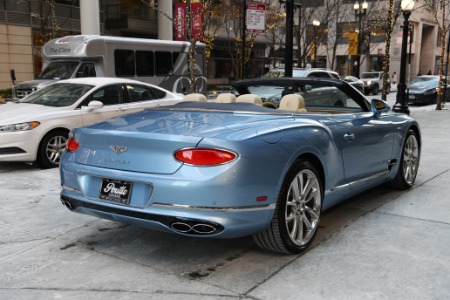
441,14
206,30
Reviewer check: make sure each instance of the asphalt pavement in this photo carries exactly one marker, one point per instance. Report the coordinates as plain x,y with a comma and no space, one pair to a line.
382,244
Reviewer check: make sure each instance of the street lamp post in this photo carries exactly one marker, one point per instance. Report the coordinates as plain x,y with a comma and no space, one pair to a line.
360,12
316,24
401,104
289,44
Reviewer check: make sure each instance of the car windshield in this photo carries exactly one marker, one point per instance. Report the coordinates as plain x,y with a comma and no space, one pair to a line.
369,75
58,70
315,95
425,81
58,94
280,73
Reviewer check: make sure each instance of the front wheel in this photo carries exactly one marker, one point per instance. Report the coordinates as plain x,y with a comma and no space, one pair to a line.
297,213
409,163
51,148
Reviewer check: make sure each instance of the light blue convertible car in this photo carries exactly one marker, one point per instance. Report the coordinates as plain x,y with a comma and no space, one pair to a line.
247,165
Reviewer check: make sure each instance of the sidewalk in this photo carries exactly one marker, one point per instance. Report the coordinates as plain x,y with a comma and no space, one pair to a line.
399,250
382,244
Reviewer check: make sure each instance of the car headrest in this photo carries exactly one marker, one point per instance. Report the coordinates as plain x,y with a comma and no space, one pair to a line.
292,102
195,97
249,98
226,98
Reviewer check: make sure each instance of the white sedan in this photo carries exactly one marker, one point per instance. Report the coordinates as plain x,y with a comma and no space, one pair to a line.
36,127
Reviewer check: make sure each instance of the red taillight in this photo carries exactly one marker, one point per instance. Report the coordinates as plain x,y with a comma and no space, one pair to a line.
72,145
204,157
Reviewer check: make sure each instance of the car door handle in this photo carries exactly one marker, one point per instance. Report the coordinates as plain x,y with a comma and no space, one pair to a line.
349,136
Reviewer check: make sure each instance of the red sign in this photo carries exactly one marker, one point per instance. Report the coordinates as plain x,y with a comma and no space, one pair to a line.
255,21
196,21
180,22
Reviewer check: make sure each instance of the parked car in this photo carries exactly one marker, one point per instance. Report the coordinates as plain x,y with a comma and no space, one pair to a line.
315,73
36,127
225,170
303,72
355,81
373,82
423,90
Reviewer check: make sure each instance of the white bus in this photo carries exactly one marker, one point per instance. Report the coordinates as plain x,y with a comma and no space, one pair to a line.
160,62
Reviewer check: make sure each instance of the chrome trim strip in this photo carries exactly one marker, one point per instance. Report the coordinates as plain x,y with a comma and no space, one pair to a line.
70,189
217,209
356,182
340,187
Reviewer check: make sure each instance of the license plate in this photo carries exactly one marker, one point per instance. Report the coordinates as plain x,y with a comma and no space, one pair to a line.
412,97
115,190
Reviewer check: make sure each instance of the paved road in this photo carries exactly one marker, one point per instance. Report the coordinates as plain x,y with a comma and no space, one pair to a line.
383,244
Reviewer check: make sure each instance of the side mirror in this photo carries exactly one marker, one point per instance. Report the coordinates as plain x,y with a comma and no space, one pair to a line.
94,104
378,106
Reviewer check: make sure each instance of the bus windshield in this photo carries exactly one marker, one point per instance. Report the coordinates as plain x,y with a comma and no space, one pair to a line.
58,70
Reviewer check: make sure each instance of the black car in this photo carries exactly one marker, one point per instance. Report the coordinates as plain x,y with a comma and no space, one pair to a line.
423,90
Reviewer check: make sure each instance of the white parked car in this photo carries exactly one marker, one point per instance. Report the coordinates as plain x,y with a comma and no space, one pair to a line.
36,127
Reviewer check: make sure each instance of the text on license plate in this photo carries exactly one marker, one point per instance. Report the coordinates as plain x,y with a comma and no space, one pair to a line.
115,190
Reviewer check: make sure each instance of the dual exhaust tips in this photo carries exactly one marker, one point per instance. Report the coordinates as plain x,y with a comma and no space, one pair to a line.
183,226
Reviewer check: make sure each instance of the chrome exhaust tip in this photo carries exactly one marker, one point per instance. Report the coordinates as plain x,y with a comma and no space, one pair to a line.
195,227
204,228
181,227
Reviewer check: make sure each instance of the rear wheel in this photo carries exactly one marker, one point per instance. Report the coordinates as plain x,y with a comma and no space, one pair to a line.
51,148
297,214
409,163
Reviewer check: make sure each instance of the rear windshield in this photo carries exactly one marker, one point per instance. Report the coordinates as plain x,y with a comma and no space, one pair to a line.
370,75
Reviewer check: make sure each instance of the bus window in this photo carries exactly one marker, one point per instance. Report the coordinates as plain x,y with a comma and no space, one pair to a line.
86,70
163,62
180,63
199,59
144,63
124,62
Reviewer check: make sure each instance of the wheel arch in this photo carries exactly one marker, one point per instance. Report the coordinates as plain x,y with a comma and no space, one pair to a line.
313,159
51,131
47,134
417,132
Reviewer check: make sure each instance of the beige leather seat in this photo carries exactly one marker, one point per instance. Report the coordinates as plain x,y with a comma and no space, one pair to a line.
293,102
249,98
226,98
195,97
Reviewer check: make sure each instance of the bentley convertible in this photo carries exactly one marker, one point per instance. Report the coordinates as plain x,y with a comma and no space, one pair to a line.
266,163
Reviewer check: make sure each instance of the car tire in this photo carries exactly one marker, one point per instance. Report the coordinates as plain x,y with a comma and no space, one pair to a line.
297,213
409,163
51,148
375,90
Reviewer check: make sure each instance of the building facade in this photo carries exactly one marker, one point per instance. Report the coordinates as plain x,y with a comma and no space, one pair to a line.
25,25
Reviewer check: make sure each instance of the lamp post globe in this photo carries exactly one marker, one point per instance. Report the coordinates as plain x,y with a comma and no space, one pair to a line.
316,24
360,12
